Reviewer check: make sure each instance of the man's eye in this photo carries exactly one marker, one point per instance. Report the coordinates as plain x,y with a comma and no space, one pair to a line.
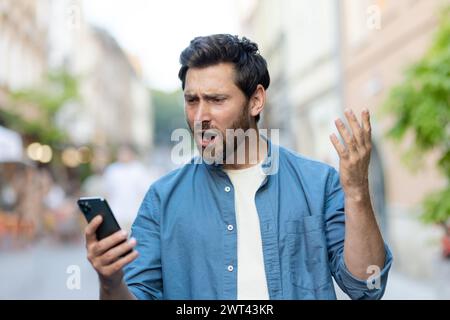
218,100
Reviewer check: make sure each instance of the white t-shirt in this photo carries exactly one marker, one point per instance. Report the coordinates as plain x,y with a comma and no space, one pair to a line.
252,282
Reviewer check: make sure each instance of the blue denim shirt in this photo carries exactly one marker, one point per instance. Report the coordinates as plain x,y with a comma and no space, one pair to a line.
187,251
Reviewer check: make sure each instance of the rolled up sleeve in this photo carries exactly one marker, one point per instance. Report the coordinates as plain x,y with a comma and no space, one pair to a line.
372,288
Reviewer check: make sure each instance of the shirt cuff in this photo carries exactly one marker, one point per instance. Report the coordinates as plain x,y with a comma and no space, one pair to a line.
139,294
374,285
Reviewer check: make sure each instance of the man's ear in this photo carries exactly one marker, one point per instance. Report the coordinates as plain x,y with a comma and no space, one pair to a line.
257,101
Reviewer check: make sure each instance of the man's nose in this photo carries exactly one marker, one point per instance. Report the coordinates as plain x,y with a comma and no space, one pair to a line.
203,113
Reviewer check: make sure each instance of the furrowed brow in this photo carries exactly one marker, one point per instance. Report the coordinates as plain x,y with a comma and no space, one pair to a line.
189,96
215,96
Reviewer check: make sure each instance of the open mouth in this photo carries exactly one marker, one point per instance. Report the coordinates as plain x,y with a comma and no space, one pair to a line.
206,138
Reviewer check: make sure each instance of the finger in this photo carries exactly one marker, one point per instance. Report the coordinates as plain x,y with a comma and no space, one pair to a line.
110,241
92,227
119,264
366,126
340,149
118,251
355,127
350,141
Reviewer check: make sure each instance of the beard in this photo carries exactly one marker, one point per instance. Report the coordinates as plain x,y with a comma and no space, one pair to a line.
220,147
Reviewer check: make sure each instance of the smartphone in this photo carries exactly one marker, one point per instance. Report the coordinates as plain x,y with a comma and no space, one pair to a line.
93,206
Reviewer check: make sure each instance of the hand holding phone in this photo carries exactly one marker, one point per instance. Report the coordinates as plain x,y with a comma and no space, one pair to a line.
93,206
107,246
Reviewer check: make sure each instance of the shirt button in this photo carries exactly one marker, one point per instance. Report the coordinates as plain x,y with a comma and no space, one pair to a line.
230,227
230,268
227,189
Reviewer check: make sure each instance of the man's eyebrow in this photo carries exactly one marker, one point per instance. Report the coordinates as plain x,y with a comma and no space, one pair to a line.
215,95
190,95
206,96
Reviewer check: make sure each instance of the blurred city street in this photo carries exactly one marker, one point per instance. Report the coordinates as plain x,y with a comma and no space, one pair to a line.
90,101
40,271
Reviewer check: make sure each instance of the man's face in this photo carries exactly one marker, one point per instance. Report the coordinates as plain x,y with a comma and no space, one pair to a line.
213,102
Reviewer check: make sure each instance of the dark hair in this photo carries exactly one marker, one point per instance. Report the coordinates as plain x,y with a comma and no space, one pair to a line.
250,66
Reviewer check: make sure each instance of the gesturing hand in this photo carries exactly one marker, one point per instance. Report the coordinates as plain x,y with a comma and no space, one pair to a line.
354,155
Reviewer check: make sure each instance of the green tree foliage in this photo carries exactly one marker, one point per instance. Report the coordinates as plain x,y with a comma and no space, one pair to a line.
46,99
421,106
169,115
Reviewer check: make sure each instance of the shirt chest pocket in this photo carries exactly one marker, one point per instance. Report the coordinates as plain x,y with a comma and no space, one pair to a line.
308,261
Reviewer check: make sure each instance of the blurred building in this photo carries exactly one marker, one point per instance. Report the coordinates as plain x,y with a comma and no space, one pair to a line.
299,41
36,36
326,55
23,45
116,106
379,40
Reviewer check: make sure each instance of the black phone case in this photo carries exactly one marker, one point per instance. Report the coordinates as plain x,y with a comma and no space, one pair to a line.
92,207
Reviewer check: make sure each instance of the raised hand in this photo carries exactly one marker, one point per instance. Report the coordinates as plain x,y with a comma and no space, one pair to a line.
354,154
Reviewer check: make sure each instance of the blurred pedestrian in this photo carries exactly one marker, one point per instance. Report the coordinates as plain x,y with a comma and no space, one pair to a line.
125,183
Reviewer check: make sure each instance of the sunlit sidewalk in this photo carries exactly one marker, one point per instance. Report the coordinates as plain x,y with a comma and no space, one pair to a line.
43,270
402,287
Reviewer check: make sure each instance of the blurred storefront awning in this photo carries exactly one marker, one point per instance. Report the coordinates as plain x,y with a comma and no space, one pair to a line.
11,147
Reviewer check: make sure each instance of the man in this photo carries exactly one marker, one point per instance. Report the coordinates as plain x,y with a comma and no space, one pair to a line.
228,229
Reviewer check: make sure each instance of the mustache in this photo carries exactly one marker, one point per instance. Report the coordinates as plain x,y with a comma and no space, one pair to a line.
206,125
201,126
